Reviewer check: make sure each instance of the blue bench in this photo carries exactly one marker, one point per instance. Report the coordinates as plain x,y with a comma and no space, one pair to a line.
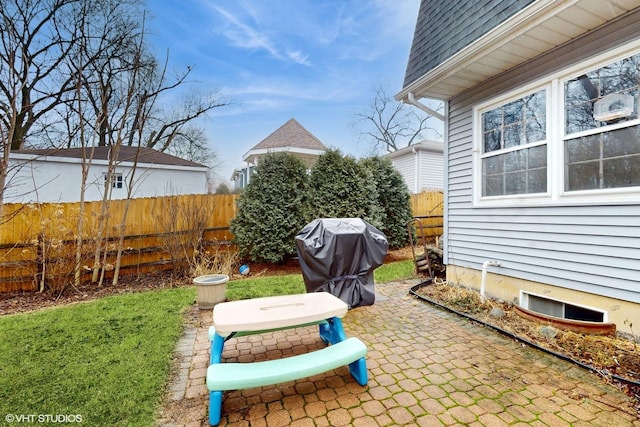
236,376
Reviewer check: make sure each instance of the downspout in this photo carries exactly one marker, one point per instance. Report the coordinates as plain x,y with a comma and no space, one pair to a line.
416,170
483,283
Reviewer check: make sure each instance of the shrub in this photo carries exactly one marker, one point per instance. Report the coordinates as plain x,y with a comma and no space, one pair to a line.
270,209
393,198
339,187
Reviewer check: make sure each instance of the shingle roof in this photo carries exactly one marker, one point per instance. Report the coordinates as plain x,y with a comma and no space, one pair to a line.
443,28
125,154
291,134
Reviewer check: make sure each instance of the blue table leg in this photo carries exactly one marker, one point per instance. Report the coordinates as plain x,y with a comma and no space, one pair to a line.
215,407
332,331
358,370
217,345
215,397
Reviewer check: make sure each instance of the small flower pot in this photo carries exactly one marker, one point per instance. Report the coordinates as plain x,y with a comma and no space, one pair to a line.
210,289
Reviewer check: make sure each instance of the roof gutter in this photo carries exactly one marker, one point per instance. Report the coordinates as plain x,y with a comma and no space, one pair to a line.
413,101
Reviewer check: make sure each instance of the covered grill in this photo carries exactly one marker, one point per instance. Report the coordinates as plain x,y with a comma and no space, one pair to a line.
338,255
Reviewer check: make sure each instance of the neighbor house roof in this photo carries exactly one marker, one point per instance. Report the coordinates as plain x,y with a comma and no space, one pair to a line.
473,41
125,154
291,137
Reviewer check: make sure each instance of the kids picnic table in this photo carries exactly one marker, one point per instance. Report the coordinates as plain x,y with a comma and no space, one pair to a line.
258,315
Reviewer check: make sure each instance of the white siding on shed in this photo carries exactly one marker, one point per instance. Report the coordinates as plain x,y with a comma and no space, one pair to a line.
421,165
406,166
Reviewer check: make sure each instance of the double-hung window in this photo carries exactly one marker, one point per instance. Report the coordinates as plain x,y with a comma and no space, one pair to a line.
601,129
572,136
514,145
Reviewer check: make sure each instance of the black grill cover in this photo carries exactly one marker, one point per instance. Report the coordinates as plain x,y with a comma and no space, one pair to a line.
338,255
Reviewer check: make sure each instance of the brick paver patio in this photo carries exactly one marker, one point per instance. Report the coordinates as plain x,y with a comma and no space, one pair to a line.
427,367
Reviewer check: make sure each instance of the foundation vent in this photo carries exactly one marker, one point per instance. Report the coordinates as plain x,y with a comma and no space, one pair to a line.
561,309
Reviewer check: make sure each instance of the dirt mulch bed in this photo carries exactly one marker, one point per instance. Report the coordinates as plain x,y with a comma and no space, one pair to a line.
614,358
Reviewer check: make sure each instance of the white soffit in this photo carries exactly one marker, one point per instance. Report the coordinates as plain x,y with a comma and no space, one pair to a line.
541,26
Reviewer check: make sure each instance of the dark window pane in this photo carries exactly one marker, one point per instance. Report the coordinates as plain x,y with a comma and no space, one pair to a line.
621,172
619,76
493,165
515,161
513,135
492,141
581,149
621,142
579,117
492,119
513,112
537,180
536,105
536,131
577,92
537,156
493,186
583,176
515,183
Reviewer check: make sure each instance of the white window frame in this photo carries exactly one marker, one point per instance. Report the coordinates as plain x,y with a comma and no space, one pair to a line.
555,194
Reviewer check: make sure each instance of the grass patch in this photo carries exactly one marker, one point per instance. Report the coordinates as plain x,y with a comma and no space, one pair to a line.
106,360
395,271
264,287
294,283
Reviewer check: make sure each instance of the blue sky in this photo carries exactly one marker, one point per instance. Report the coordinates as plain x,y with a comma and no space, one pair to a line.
317,61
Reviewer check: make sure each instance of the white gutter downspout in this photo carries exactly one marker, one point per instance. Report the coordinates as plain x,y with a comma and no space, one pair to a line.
416,170
413,101
483,283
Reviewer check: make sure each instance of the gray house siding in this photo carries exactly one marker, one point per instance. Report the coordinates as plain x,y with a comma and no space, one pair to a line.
593,248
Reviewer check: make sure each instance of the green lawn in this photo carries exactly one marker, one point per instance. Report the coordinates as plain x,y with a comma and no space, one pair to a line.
294,284
105,360
108,360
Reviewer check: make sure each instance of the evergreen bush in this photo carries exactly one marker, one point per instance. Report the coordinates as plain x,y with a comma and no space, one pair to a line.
394,200
270,209
339,187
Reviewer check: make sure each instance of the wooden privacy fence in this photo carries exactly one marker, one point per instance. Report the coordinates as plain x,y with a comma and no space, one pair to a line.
38,241
428,208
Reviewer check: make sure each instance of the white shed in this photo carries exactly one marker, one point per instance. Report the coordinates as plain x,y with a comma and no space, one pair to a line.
55,175
421,165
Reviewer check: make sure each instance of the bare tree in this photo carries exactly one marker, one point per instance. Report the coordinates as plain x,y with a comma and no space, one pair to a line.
48,47
390,125
78,73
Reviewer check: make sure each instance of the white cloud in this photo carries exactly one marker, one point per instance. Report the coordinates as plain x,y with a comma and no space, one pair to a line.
244,36
299,58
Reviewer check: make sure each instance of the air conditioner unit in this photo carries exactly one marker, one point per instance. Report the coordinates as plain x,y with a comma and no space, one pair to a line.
613,106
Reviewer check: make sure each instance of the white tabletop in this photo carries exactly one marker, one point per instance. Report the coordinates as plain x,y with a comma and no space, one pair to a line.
276,312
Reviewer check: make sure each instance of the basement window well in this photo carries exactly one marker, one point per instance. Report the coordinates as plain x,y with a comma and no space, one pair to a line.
560,309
